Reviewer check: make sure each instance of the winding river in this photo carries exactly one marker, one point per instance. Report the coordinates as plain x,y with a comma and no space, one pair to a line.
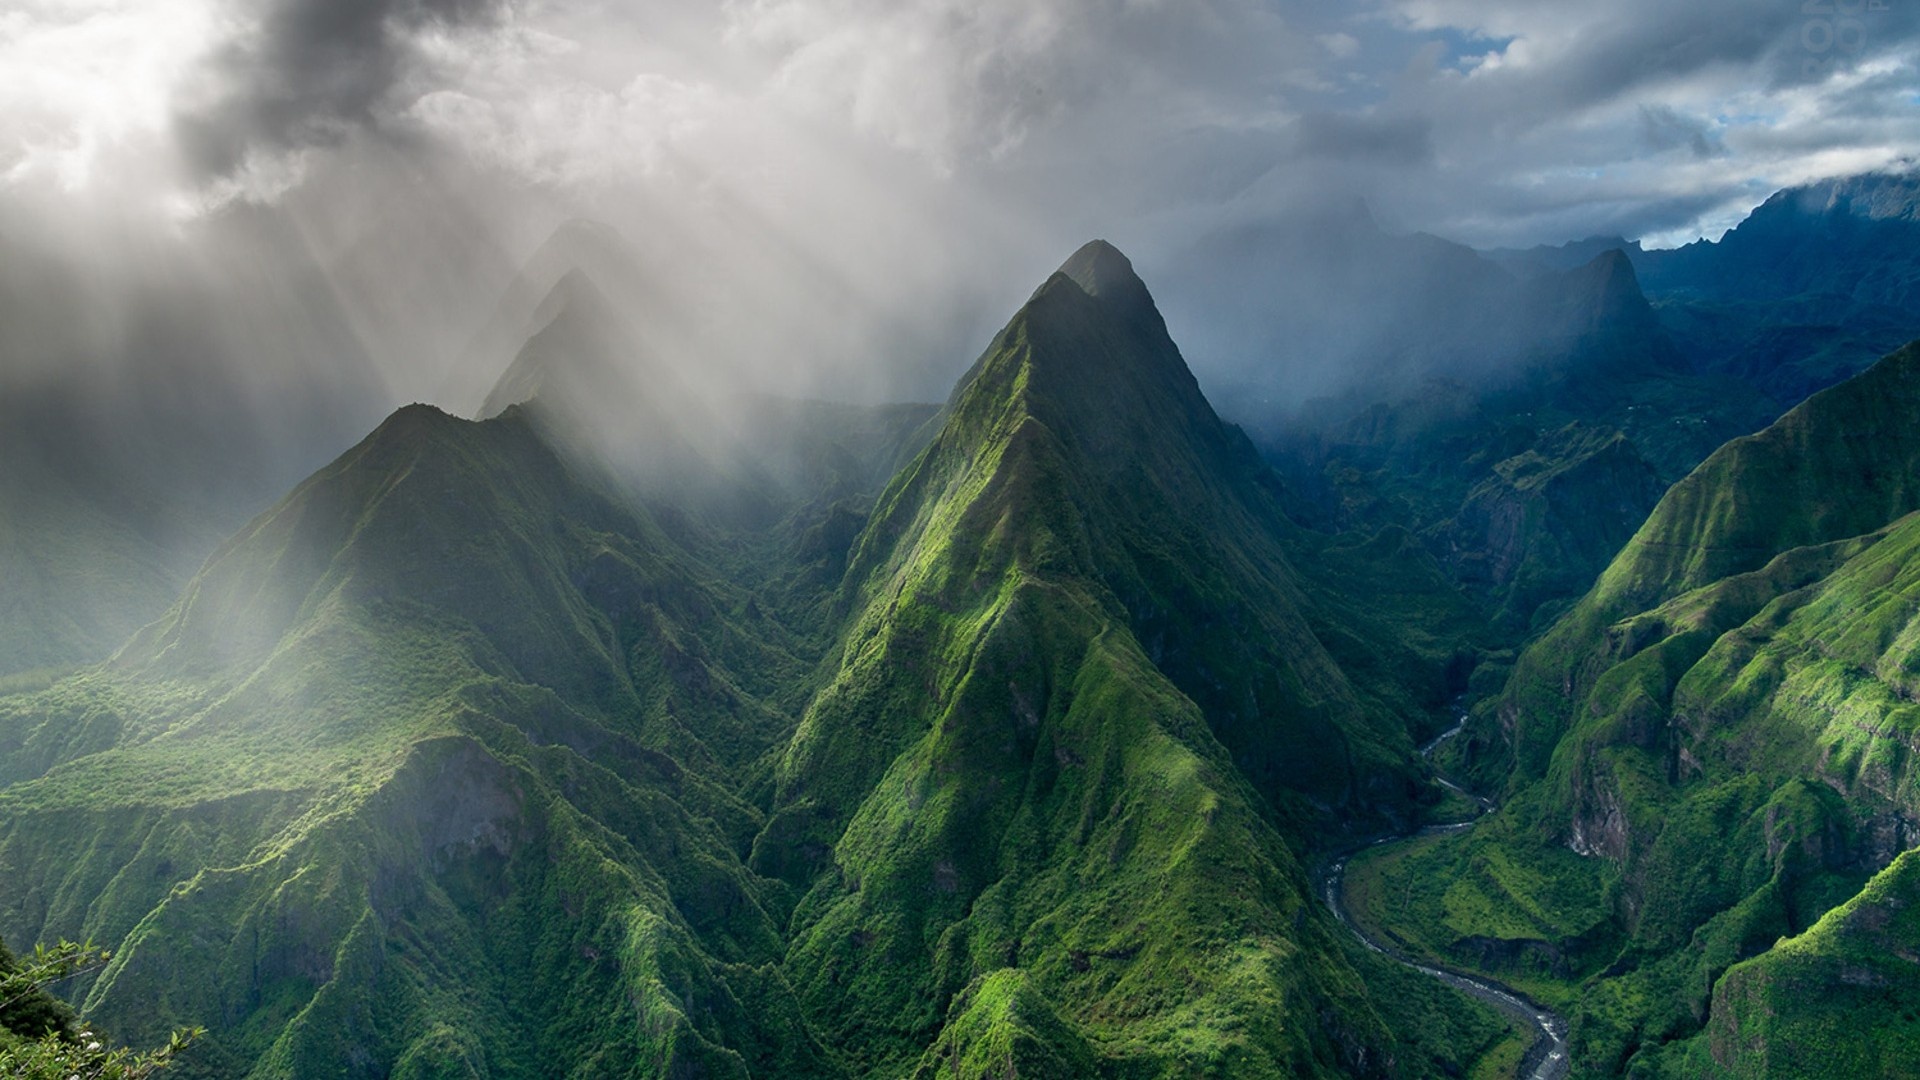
1547,1058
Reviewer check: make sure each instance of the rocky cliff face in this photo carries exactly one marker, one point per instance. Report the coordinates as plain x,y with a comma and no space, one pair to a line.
1549,520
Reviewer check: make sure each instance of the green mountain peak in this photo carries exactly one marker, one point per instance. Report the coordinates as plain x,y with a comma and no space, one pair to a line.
1090,357
467,760
1077,647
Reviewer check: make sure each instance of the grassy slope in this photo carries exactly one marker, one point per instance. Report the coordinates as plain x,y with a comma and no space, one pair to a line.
1797,1010
410,782
1003,808
1724,726
452,765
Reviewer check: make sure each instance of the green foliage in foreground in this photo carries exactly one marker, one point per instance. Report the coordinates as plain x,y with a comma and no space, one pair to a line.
39,1039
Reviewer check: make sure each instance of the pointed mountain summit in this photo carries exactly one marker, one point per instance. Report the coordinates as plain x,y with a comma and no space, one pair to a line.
527,305
1105,274
1596,331
1080,584
583,353
597,388
1090,357
1608,290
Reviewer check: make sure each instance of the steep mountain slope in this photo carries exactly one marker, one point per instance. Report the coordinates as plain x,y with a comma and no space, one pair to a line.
1843,465
429,771
1724,728
1525,478
1076,686
464,760
1796,1010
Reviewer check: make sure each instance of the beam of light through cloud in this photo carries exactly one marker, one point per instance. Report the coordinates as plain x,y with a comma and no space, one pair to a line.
844,196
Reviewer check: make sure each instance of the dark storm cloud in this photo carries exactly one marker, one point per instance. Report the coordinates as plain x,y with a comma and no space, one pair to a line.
1664,128
309,73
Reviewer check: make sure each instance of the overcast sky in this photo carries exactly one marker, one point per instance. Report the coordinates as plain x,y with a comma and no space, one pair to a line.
909,163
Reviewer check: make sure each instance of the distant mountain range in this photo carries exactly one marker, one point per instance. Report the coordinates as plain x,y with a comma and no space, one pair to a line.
1672,351
1817,283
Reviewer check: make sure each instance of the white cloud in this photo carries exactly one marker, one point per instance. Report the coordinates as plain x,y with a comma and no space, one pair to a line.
86,79
1341,46
901,168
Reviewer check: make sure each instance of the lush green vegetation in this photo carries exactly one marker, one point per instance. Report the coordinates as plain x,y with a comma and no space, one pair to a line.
41,1040
1050,798
997,738
1709,756
474,757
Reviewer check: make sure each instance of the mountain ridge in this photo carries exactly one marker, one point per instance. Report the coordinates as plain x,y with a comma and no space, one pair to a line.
1708,758
572,782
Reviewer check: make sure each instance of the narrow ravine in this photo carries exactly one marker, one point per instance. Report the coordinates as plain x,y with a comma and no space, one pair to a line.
1547,1058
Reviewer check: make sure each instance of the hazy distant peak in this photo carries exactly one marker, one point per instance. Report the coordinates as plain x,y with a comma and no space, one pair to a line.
584,237
572,284
581,341
1610,265
1872,196
575,287
1607,292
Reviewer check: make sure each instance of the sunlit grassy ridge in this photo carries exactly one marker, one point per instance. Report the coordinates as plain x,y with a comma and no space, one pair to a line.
416,752
1724,729
1048,798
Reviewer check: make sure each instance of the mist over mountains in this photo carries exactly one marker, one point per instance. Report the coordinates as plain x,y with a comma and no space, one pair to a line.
168,401
494,695
638,708
959,540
